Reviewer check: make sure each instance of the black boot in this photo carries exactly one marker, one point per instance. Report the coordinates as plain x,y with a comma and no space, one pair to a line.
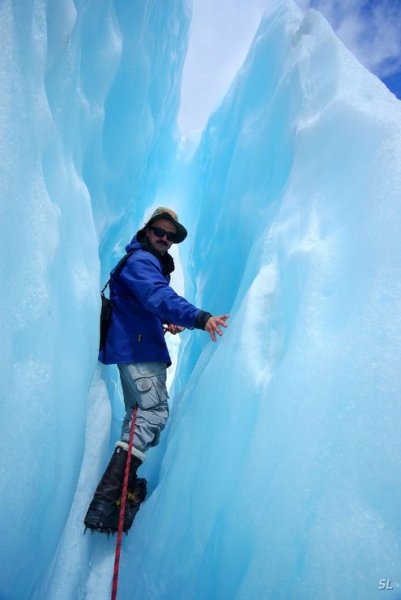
136,494
103,511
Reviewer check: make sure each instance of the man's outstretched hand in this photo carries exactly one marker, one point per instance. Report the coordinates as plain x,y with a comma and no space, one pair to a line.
213,325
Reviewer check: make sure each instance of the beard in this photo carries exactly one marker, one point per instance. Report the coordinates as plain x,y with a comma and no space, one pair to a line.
161,247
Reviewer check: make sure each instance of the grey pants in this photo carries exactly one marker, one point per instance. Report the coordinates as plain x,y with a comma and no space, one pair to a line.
144,386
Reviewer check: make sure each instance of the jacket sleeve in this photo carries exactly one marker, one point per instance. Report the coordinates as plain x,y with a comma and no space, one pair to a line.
142,274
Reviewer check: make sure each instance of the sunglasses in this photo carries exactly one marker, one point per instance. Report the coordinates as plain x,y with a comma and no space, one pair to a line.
162,232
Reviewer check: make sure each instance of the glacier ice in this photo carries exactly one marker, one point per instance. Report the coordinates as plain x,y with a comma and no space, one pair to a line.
278,476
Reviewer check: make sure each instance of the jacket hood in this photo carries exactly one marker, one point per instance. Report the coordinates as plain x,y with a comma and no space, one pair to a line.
133,245
166,261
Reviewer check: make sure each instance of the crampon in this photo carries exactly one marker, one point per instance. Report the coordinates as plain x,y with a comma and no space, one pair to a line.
103,515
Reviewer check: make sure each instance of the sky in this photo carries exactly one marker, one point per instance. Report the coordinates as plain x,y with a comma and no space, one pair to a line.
222,32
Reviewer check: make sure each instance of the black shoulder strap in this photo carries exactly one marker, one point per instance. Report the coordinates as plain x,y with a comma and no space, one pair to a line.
118,267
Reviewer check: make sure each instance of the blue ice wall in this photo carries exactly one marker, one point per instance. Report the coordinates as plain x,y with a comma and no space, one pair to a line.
89,96
278,476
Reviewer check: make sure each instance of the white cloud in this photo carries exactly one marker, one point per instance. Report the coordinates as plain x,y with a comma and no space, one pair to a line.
372,31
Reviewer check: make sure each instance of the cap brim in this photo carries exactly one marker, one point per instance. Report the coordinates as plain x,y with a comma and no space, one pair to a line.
181,231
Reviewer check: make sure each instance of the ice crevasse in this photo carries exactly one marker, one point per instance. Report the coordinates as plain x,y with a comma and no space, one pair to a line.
278,475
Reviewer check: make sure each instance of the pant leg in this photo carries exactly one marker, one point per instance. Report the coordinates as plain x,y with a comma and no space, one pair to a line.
144,386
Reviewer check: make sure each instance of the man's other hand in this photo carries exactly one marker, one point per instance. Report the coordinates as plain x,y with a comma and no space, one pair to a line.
173,328
213,325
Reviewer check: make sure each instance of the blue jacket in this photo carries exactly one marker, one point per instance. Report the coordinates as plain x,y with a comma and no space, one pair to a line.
142,301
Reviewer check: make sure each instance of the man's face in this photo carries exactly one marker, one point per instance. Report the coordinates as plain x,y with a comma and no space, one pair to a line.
160,243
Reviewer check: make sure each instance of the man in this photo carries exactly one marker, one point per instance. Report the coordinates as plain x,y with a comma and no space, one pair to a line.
142,302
